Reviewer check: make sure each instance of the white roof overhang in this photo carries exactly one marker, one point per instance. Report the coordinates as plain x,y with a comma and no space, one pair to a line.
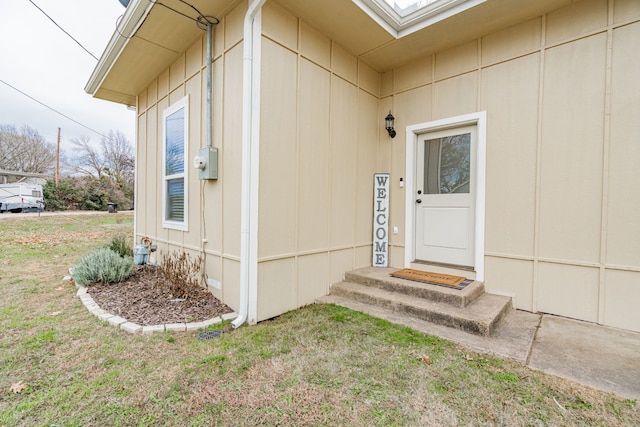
148,38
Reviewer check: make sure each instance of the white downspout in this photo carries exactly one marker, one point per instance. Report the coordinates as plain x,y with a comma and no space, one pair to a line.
250,163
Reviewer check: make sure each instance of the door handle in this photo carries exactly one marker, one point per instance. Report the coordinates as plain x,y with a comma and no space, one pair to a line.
419,201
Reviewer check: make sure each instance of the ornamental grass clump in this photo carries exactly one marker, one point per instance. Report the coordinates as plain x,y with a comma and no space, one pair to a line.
182,274
102,265
121,245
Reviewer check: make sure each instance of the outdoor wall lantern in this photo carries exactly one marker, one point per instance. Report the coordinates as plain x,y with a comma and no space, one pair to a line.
389,125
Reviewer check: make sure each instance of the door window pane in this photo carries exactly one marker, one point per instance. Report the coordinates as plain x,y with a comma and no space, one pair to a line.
447,164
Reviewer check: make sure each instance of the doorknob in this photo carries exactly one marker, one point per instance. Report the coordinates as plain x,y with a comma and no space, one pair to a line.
419,201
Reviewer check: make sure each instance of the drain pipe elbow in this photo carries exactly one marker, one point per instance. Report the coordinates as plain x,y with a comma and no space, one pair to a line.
247,237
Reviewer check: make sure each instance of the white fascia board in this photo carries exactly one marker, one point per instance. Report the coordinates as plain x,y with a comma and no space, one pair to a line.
133,17
412,23
381,15
399,26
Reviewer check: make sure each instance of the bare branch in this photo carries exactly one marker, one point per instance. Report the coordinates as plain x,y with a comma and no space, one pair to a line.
25,150
89,160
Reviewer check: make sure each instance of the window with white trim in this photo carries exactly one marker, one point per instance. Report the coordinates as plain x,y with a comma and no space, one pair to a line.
175,120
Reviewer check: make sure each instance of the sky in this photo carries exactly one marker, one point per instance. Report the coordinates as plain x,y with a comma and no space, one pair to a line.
39,59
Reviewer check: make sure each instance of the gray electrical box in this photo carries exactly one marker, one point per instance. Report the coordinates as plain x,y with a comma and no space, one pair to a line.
210,157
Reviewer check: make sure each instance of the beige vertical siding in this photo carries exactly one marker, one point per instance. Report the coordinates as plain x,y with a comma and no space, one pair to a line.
313,157
150,178
625,10
213,205
318,152
513,277
342,209
141,207
277,290
315,46
576,20
622,256
231,156
368,128
572,144
312,277
561,92
623,217
511,42
278,152
511,153
561,234
562,95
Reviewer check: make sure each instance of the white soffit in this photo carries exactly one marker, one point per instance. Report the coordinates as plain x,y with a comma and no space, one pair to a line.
403,17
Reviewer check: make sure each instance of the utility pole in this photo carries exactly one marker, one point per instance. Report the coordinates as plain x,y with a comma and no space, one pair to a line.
58,160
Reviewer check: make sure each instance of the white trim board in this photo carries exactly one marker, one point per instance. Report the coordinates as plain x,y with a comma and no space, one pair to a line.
478,119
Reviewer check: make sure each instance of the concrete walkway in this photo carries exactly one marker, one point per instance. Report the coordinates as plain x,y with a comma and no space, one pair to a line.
604,358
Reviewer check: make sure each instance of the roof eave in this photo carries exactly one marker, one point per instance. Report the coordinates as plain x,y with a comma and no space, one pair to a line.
134,16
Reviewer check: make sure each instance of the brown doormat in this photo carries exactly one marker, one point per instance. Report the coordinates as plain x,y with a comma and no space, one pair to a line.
427,277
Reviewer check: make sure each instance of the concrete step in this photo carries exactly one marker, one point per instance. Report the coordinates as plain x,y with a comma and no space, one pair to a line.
380,278
479,317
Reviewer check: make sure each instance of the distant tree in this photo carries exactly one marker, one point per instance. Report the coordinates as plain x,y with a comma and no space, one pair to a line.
25,150
84,193
120,162
89,160
107,168
69,193
113,157
118,156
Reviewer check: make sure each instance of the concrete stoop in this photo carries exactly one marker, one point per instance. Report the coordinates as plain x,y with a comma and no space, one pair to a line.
469,309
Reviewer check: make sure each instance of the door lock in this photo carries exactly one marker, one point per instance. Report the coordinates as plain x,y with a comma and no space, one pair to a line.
419,191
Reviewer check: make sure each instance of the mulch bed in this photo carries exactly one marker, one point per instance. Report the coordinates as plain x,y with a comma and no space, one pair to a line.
145,299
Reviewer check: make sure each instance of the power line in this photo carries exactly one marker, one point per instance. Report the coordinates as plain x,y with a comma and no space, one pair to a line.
52,109
63,30
199,20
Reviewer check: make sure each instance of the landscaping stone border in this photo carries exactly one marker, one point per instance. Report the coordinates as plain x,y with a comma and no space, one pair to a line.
134,328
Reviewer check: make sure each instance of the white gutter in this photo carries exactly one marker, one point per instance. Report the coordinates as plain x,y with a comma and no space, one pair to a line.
133,17
250,165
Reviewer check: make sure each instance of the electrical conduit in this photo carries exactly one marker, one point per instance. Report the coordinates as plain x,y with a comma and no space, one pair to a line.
250,163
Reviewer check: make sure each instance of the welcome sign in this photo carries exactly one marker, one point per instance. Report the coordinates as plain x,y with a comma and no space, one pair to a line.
381,220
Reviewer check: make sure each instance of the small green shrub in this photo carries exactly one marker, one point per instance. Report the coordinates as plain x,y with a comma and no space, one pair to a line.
102,265
120,244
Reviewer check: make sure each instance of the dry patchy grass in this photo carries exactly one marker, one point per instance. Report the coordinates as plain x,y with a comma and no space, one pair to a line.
320,365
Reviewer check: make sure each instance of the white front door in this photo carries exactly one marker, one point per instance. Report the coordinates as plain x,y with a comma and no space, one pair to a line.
445,196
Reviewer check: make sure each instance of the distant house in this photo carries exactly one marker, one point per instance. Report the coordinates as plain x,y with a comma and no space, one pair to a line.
515,159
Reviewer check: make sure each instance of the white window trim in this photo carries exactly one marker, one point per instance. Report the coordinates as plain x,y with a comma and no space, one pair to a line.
412,132
176,225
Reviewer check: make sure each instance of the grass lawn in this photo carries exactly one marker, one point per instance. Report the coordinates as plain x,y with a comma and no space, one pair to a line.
321,365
